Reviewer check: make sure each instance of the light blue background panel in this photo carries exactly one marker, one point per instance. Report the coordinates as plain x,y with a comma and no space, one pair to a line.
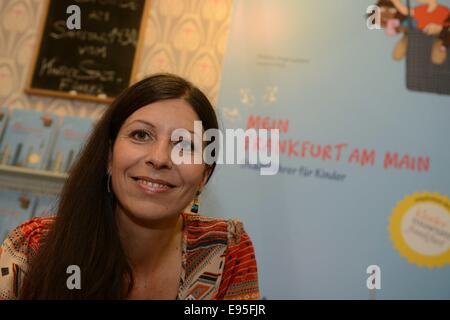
335,82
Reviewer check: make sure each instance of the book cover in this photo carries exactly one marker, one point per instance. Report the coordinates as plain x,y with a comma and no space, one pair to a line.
72,135
15,208
27,139
3,120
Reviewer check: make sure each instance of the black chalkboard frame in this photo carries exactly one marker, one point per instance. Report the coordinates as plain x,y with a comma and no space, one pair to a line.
79,96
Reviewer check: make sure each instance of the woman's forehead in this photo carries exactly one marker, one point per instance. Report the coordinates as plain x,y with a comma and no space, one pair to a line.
172,114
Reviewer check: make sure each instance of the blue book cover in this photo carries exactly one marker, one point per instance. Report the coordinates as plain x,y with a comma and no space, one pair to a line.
15,208
27,139
45,206
3,120
72,135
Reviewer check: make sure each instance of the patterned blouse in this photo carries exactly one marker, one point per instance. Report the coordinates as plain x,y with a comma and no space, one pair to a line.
218,258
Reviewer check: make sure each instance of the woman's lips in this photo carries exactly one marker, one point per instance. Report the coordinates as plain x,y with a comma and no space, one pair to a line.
152,187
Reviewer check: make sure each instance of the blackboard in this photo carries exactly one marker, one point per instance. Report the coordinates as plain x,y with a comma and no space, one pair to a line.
95,62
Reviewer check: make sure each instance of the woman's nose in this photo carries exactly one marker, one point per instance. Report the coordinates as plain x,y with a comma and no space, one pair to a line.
159,154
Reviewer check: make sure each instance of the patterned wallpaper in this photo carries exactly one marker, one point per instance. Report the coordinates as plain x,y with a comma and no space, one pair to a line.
186,37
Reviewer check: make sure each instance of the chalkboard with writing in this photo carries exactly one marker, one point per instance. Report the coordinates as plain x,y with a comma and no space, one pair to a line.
95,62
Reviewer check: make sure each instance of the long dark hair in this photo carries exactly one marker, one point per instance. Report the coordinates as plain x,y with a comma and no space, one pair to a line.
85,232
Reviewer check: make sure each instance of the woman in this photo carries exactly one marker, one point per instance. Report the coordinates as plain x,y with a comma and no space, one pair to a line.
121,217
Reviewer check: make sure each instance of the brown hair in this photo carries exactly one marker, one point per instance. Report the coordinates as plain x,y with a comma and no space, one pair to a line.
85,232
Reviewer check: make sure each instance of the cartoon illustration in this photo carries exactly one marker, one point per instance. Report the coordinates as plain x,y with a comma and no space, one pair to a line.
425,40
271,95
246,97
394,22
445,35
431,18
391,16
232,113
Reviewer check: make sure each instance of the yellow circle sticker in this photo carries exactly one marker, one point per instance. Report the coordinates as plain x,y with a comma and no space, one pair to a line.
419,228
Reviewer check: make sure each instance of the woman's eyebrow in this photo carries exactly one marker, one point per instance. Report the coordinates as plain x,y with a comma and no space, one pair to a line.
149,124
152,125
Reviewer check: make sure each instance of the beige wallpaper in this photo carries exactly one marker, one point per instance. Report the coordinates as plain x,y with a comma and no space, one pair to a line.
186,37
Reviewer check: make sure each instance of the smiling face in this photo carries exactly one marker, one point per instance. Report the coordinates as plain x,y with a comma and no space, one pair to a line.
147,184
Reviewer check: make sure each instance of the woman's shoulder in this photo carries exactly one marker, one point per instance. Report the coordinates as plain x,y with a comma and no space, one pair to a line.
20,244
228,231
25,238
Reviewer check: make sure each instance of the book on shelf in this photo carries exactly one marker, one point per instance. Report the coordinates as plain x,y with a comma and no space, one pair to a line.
27,139
72,135
3,120
15,207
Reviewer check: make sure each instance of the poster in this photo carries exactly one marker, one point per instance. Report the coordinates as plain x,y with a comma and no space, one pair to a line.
363,178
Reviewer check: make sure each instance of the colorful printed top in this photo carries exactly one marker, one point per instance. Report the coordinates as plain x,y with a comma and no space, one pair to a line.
218,258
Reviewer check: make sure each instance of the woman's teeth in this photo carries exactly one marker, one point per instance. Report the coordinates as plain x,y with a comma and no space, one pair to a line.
153,185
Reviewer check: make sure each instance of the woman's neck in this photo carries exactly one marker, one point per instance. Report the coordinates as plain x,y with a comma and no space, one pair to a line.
148,243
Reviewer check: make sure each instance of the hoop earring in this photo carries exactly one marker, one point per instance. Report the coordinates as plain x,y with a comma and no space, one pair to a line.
196,203
108,182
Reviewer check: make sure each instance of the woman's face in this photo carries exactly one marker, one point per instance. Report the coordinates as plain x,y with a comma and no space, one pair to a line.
145,181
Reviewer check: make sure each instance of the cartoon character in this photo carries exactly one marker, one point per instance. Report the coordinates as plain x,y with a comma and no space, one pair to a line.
444,36
431,18
390,13
394,22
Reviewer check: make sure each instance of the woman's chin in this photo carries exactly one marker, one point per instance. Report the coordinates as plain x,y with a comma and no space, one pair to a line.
151,215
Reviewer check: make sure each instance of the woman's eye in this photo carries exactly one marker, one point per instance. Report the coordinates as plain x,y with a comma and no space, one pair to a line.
140,135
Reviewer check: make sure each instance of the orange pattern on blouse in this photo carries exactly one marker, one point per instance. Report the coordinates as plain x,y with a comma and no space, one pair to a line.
218,258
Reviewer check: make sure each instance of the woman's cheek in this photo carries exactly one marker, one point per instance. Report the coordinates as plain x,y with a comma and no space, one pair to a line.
126,153
192,174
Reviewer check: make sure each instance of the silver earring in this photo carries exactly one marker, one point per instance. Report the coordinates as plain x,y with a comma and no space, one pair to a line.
108,182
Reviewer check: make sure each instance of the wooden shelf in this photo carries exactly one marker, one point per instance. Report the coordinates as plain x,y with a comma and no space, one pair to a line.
26,179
